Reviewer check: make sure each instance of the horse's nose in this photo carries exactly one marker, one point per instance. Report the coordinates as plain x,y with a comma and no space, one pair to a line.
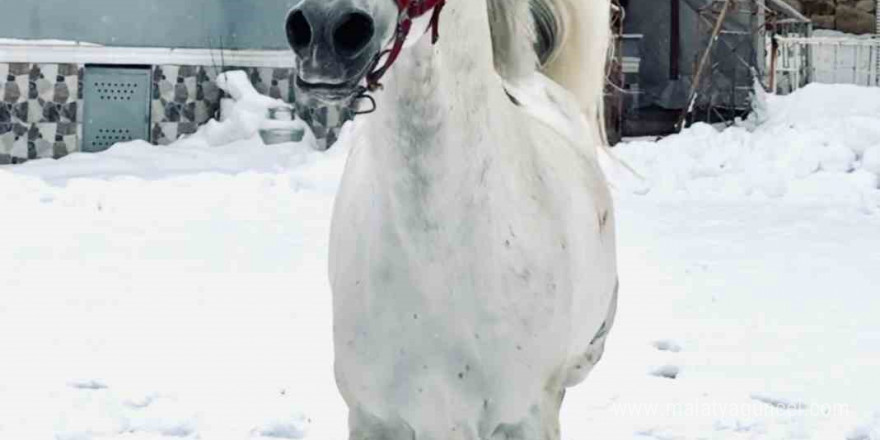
347,33
351,33
299,30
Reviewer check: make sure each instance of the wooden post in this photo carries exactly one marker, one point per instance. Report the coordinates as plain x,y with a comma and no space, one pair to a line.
704,61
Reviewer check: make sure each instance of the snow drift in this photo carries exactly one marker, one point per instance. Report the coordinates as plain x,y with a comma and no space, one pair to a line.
820,144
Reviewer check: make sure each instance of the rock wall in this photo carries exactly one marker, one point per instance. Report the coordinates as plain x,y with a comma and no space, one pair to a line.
851,16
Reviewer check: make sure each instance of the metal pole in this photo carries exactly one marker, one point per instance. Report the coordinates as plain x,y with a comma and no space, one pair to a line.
760,30
798,51
858,60
835,65
774,58
877,46
675,41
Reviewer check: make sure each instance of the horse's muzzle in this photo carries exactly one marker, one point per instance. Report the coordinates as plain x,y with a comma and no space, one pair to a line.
327,93
334,46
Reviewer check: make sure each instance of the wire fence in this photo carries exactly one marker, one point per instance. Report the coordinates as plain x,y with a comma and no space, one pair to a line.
830,60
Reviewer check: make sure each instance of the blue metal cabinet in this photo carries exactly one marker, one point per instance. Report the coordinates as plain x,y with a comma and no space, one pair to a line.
116,107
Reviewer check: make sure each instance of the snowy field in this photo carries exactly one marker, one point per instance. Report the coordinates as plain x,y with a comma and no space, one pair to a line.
180,292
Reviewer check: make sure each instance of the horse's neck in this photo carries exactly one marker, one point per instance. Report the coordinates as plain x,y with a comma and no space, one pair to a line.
434,114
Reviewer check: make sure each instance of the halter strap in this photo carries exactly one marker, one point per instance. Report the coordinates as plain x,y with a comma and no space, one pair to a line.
409,10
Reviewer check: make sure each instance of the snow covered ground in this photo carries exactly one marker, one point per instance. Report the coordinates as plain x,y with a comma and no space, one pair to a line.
180,292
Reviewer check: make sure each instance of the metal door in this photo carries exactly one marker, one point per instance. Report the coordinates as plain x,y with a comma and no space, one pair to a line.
116,107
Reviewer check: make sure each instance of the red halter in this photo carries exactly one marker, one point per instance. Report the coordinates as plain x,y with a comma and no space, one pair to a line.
409,10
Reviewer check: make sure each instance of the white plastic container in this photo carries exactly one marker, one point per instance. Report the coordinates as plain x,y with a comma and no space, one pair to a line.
282,127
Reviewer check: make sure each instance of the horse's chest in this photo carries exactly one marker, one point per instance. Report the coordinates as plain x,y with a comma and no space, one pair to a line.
476,265
467,298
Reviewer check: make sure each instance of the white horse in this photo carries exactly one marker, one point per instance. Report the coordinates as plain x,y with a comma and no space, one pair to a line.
472,256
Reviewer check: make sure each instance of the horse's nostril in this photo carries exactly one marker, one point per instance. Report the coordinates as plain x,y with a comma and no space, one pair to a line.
299,31
353,33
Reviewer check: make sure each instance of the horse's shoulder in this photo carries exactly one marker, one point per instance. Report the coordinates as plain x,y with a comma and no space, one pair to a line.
550,110
563,143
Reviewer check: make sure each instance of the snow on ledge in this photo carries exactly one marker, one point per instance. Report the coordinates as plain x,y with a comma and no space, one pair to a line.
73,52
18,42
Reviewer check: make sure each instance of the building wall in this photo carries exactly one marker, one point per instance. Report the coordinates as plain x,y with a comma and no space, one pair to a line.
185,97
653,20
41,106
729,75
231,24
850,16
40,111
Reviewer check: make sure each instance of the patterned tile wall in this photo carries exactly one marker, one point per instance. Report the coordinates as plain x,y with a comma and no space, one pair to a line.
185,97
40,106
326,122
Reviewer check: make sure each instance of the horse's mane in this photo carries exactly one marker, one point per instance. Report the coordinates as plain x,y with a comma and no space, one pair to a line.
549,29
567,40
513,37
